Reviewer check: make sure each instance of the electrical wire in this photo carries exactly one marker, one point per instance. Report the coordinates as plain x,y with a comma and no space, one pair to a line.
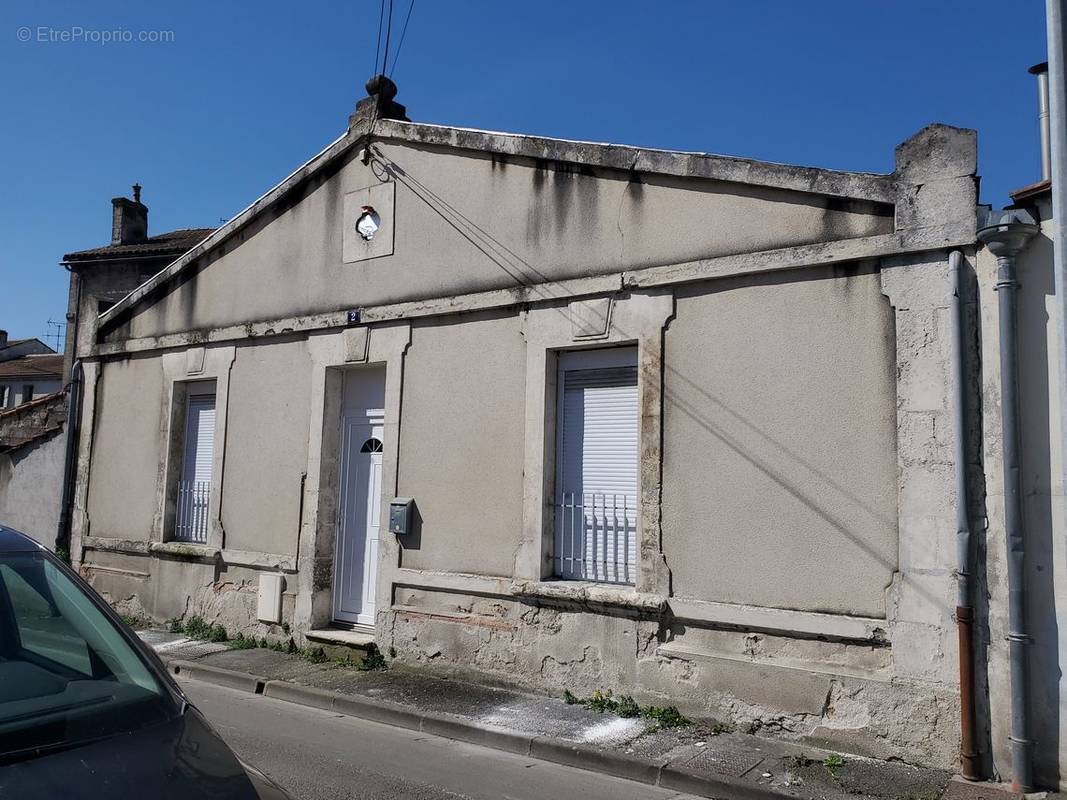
403,33
378,46
388,35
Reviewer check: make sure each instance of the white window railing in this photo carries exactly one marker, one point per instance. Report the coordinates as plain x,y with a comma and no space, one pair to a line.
596,537
191,512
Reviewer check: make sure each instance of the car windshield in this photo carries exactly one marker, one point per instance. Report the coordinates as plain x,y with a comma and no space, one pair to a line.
67,674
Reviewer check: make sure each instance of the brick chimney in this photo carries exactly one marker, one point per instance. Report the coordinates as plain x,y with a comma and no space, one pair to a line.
129,218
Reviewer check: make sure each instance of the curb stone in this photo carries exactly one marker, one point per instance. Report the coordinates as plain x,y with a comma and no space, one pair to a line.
557,751
232,679
594,759
684,781
496,738
301,695
378,711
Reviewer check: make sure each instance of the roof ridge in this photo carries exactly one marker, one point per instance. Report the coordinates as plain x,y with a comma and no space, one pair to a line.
29,405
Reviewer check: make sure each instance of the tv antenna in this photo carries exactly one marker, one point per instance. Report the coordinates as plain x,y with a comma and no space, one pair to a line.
56,334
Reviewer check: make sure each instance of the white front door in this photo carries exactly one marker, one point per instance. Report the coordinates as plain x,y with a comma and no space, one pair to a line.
356,563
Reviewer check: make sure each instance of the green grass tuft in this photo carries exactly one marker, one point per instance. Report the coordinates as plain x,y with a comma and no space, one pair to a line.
626,706
374,660
242,642
833,763
196,628
666,717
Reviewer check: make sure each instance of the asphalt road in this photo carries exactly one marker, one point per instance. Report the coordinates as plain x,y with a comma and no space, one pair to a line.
319,755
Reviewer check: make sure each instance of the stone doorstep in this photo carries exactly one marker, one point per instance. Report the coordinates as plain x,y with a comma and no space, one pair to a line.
342,636
347,644
724,765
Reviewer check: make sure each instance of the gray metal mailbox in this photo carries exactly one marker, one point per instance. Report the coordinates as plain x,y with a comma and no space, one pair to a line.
400,511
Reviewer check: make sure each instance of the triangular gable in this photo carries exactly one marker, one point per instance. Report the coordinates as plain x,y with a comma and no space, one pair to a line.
819,205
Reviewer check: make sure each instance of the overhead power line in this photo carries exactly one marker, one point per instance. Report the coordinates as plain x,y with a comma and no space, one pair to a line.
378,46
403,33
388,35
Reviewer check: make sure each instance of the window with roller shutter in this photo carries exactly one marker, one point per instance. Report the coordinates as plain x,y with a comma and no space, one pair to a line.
194,486
597,466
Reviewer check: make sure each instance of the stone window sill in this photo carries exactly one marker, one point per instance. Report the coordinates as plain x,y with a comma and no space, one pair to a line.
110,545
185,550
592,593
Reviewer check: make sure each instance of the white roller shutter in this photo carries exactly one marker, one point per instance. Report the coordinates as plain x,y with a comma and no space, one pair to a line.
192,499
200,439
596,479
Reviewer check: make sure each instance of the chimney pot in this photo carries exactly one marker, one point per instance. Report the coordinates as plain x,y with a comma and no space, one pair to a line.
379,103
129,219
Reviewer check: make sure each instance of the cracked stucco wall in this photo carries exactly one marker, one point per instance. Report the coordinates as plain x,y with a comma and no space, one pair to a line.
830,694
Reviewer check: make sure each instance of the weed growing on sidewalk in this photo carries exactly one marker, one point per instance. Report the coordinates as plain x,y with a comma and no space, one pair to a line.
315,655
196,628
242,642
833,763
666,716
374,660
626,706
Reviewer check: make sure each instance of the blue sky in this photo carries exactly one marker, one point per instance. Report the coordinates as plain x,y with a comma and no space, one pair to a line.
245,92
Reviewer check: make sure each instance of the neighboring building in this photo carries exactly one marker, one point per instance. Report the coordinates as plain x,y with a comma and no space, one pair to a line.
33,410
29,377
15,348
33,377
102,276
677,425
32,449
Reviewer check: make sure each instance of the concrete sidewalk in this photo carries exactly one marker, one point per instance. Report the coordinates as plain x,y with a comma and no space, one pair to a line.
695,758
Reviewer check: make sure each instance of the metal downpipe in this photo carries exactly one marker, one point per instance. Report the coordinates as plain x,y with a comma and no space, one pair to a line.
1018,639
1005,239
1007,235
73,427
970,762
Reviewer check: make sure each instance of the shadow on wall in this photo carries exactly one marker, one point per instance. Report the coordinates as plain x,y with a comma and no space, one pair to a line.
412,540
1035,292
856,518
798,477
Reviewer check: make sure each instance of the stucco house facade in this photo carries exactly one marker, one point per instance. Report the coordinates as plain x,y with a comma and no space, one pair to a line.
33,408
672,424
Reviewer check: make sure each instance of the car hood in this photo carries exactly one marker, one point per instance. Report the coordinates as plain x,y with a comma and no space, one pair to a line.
182,759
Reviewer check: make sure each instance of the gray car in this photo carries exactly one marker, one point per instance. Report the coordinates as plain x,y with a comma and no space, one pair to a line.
86,709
